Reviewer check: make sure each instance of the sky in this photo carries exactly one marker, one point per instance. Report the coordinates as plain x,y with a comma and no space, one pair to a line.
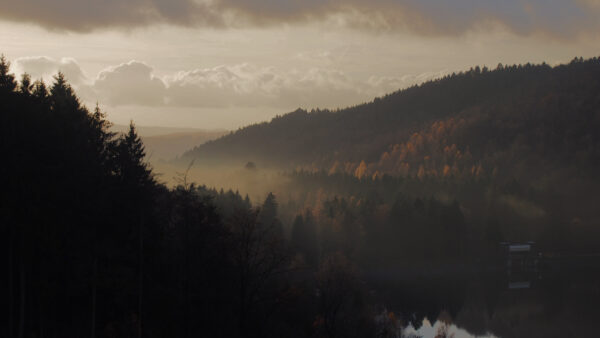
228,63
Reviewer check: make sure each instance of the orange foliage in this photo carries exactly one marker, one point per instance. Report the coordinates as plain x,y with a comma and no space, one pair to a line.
361,170
428,152
446,171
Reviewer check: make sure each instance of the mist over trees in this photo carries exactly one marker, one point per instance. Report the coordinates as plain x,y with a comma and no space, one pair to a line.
516,148
515,120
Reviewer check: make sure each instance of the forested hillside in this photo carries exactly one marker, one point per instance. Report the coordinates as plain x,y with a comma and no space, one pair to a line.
516,149
523,121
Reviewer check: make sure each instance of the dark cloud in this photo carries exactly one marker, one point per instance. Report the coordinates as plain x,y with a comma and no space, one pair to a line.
433,17
83,16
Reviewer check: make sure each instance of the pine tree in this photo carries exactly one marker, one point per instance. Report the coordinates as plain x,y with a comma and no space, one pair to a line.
131,168
63,97
304,237
40,91
267,217
7,80
137,181
311,246
26,85
296,238
102,137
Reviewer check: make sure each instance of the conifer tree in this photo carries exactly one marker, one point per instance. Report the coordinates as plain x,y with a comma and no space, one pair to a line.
7,80
63,97
40,91
130,153
267,217
26,86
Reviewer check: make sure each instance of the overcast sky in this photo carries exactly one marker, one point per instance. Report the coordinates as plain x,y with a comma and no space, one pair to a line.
227,63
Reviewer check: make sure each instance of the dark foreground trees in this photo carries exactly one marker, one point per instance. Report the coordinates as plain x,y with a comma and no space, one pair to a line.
93,246
73,203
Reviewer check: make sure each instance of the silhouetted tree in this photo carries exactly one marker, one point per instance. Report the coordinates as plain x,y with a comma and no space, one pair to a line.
260,259
7,80
26,86
267,217
343,311
304,237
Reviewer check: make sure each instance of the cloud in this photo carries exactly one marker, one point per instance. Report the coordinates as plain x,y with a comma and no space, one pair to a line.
45,67
250,86
223,86
227,86
84,16
240,85
130,83
429,17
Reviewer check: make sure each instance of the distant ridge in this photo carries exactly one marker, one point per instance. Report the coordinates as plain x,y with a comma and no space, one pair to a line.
169,146
167,143
156,130
513,120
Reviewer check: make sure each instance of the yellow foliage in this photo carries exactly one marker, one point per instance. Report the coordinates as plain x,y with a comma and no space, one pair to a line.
361,170
421,172
446,171
376,175
334,168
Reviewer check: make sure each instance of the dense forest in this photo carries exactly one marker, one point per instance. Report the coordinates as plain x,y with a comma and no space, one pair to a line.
516,148
95,246
425,178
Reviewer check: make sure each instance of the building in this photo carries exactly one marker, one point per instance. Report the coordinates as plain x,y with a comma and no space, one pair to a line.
519,255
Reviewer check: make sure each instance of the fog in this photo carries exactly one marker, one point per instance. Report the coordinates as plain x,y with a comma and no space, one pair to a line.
257,182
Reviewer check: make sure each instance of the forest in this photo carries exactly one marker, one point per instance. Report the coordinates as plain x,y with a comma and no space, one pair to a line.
516,149
96,246
436,175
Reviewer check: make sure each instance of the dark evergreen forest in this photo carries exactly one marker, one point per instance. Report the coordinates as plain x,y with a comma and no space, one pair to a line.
94,246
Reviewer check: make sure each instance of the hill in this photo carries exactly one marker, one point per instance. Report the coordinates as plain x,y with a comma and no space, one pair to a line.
521,121
146,131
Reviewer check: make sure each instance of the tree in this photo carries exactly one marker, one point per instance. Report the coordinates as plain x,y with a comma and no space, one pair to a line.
130,157
454,228
63,97
137,182
40,91
304,237
267,216
7,80
343,311
260,260
361,170
26,86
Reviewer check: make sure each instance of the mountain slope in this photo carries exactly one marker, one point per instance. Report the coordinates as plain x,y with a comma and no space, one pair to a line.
512,121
